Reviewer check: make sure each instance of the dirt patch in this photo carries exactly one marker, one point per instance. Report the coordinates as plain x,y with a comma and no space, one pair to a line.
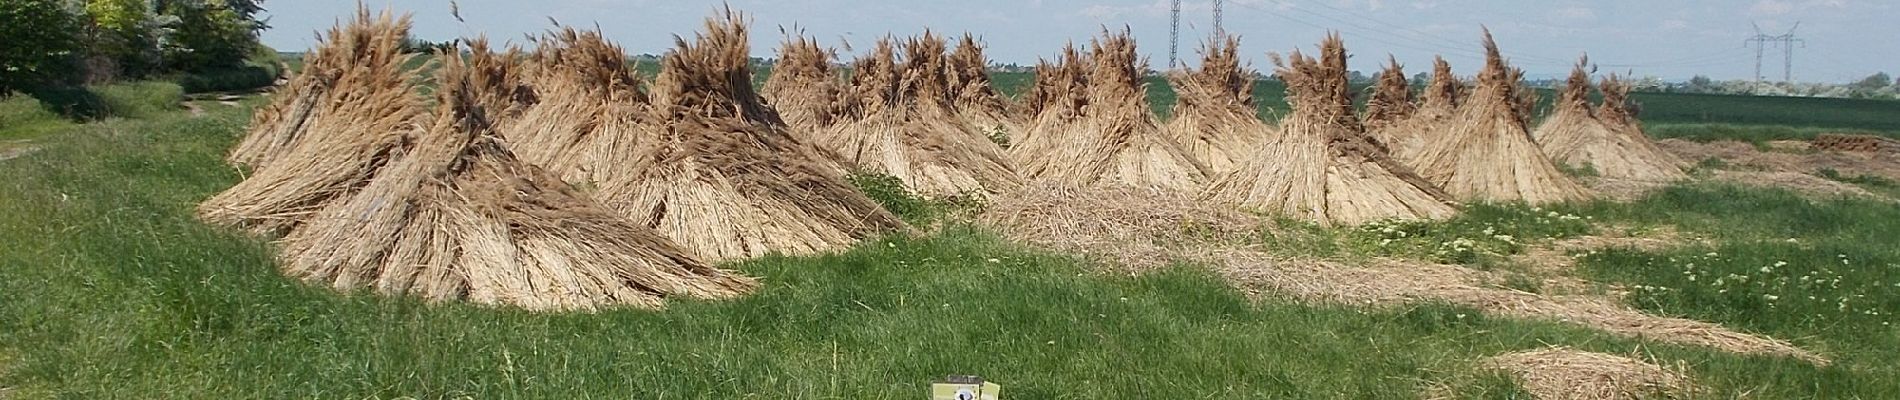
1564,373
9,151
1389,283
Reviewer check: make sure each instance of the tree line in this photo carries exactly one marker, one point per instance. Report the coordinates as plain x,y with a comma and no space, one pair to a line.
56,43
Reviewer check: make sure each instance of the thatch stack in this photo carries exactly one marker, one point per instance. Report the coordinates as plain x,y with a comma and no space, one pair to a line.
1430,115
1573,134
1214,114
328,132
803,86
1101,132
721,176
315,98
590,114
457,217
1059,91
900,119
1486,152
1391,101
1323,167
978,103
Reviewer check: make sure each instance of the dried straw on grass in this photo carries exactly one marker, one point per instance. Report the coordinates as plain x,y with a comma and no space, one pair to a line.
349,51
900,120
1574,135
978,104
1486,153
1136,230
721,176
1323,167
591,113
1104,135
1214,114
1565,373
803,86
1394,283
371,110
458,217
1391,101
1429,118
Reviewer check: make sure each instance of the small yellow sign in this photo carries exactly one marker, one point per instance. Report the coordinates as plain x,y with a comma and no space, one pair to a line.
965,388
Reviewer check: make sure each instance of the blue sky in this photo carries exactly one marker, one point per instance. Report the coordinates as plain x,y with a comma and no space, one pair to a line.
1845,39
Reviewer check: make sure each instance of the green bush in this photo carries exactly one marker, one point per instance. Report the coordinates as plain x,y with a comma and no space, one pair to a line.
39,44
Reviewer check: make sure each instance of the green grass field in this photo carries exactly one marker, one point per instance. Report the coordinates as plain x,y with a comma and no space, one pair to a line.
109,288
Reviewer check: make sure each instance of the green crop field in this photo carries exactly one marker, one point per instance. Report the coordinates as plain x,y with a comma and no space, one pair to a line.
109,288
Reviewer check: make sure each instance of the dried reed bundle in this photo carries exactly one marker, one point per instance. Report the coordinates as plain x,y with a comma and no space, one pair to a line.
458,217
901,120
978,104
1574,135
1391,101
721,176
1617,110
1105,135
1060,90
1214,114
371,109
803,86
1433,111
1486,153
1323,167
591,112
1566,373
365,43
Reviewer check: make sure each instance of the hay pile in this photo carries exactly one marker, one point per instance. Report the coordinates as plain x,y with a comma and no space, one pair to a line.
1427,117
1573,135
322,141
590,115
1094,127
345,65
804,86
1323,167
1059,91
721,176
900,119
1214,115
1565,373
1486,153
978,103
1391,101
457,217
